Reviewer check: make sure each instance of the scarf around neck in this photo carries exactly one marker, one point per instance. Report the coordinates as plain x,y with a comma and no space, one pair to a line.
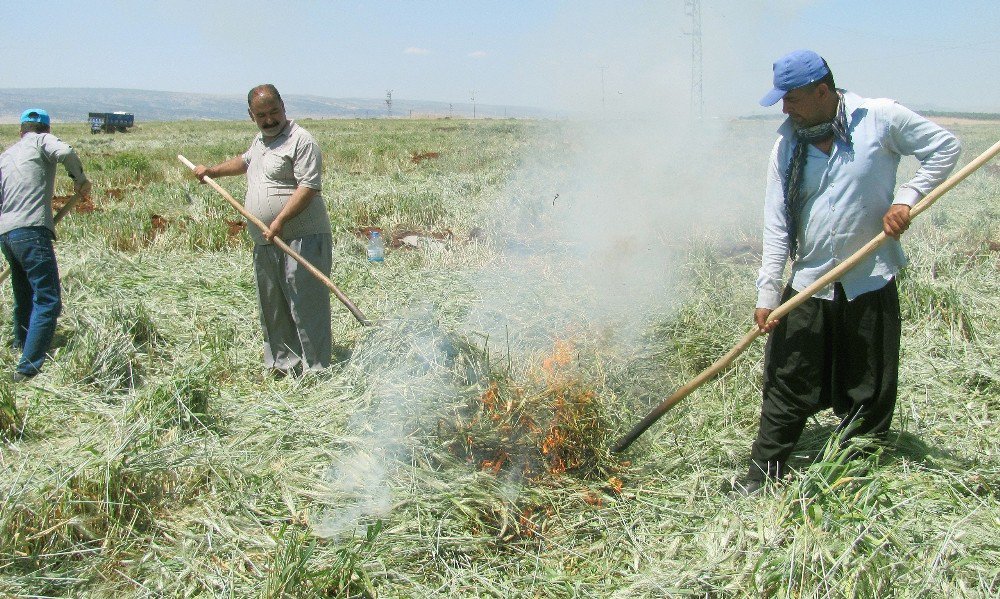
805,136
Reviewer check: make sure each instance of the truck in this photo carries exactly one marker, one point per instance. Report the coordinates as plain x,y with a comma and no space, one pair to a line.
109,122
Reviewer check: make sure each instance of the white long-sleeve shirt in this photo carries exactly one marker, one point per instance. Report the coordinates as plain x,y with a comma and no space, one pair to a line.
846,194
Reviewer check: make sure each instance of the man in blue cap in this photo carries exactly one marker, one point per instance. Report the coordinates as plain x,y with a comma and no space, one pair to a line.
27,184
831,188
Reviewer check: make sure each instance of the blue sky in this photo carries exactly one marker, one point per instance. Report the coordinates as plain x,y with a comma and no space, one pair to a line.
926,54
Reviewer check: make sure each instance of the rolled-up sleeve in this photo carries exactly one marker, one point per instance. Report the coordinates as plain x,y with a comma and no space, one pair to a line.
775,255
910,134
308,167
59,151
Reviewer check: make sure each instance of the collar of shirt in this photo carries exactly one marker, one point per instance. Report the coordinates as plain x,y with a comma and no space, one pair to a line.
852,102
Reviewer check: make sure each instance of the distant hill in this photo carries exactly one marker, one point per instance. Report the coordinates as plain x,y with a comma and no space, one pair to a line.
72,105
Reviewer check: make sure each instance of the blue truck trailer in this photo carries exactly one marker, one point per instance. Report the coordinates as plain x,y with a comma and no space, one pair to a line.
109,122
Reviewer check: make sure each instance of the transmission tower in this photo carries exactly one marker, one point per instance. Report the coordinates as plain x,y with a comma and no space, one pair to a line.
692,8
388,102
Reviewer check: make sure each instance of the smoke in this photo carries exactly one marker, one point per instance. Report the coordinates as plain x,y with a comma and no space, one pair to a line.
406,370
591,233
594,229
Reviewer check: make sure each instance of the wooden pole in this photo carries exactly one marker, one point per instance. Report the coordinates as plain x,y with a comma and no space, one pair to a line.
793,302
284,246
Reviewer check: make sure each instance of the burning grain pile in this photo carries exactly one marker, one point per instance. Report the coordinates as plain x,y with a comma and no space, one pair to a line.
549,423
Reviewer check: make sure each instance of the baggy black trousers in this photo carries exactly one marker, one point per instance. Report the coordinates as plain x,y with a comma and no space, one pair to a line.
829,354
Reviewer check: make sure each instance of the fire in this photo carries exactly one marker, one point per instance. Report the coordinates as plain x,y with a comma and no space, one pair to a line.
496,463
552,424
562,355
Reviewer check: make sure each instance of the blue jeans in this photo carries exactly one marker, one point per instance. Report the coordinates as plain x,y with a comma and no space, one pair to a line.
37,298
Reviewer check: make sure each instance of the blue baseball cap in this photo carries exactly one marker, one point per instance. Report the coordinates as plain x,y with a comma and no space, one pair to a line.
794,70
35,115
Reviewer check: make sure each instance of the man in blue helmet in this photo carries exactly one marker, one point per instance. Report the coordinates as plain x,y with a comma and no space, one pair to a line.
27,184
831,188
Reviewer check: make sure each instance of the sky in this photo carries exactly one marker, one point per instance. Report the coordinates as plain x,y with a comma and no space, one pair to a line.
617,57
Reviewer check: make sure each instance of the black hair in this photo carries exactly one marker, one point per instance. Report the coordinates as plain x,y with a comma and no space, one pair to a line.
33,127
827,79
266,89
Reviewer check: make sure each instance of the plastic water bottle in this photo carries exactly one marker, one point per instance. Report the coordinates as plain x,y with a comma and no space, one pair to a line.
376,248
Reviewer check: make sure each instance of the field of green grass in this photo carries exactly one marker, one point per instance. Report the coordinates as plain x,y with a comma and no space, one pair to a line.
460,448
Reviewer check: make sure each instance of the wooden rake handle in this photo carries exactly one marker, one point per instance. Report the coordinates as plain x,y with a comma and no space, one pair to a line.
835,273
55,220
284,246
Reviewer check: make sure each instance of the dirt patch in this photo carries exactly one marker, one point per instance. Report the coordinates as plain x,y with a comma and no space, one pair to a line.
115,193
236,227
157,224
418,157
366,232
410,238
84,206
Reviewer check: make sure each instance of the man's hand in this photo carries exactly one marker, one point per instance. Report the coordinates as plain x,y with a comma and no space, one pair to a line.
233,166
296,203
201,171
760,317
896,220
82,189
274,229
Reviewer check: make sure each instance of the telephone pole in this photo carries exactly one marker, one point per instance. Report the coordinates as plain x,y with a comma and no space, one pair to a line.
603,68
692,8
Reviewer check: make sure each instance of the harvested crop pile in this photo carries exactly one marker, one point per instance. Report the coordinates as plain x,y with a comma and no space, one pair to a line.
550,424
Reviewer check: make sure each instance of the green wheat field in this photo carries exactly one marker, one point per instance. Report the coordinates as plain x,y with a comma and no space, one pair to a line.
460,447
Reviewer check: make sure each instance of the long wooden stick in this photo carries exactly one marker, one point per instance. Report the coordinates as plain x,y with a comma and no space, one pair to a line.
284,246
55,221
793,302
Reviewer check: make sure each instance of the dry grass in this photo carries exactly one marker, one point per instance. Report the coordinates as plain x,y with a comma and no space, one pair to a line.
460,448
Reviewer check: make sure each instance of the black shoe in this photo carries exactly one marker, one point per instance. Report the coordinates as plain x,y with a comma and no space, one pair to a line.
20,377
760,474
278,373
746,487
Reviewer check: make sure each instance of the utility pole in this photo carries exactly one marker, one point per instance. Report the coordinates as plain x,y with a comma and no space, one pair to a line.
388,102
473,98
692,8
603,68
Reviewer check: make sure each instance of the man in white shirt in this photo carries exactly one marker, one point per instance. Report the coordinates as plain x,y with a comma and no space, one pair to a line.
831,189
